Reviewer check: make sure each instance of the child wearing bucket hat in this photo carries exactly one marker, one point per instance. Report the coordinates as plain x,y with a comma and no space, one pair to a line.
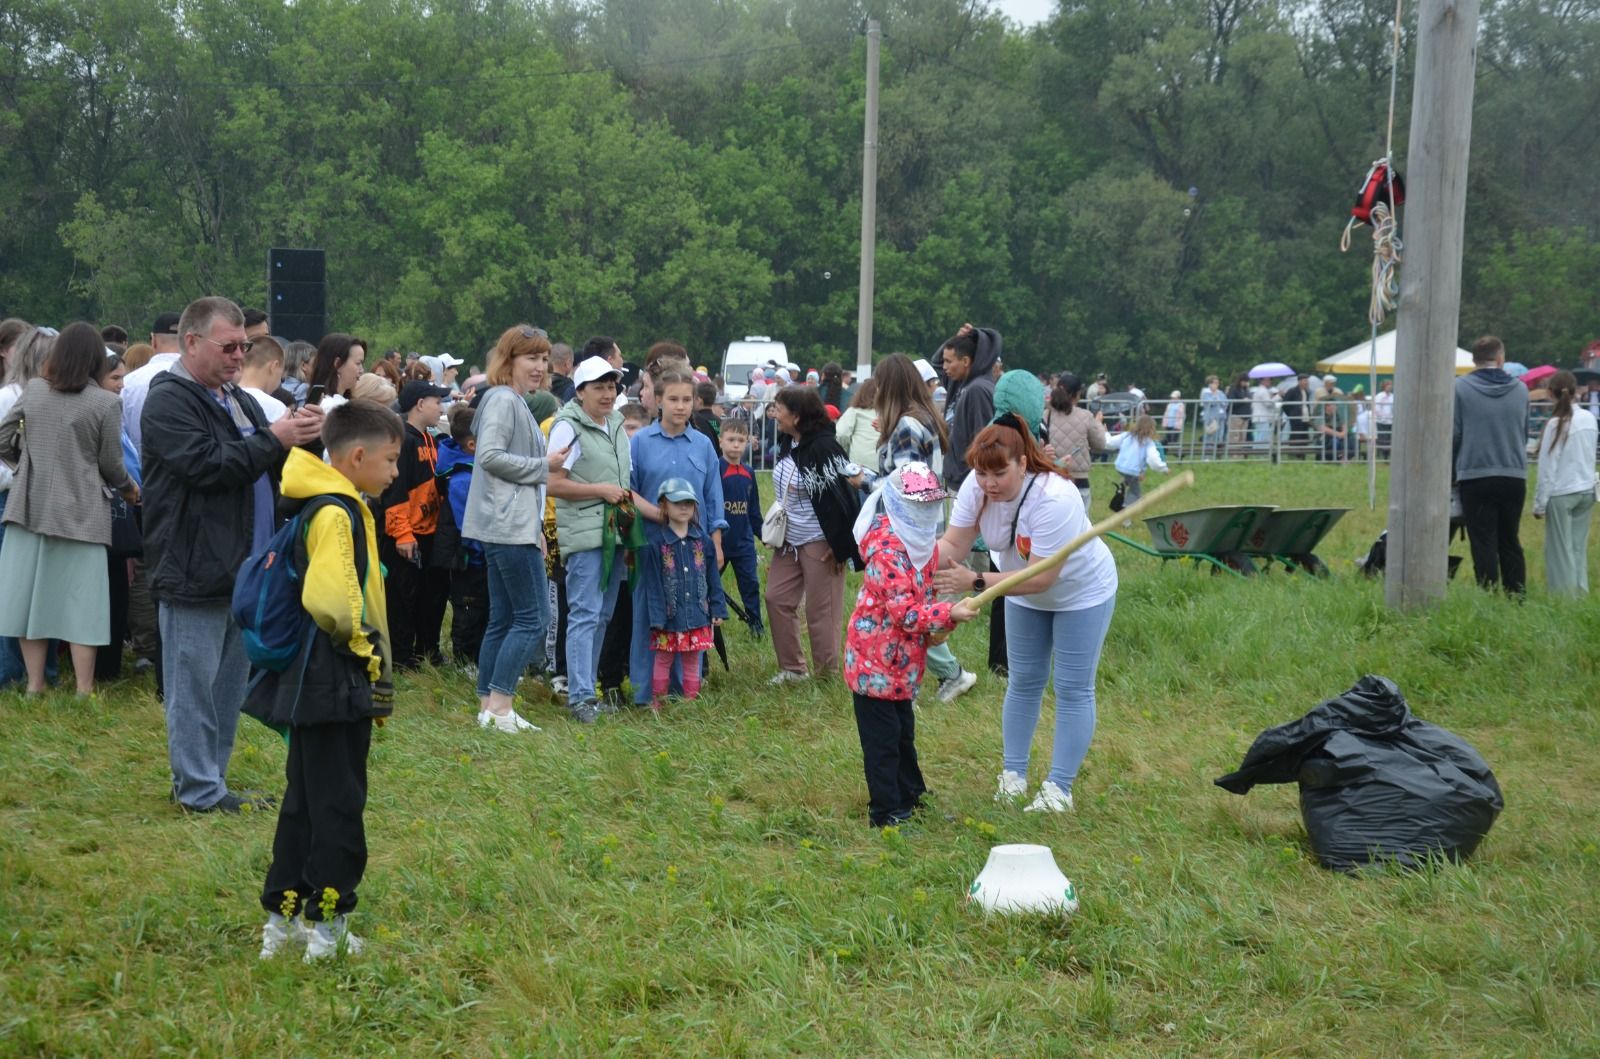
681,589
886,642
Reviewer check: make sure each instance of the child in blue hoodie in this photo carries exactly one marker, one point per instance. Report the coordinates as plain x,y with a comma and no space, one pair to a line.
1136,451
680,588
463,557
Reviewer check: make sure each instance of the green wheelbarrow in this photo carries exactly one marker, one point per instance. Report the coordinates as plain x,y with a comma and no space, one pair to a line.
1213,536
1290,536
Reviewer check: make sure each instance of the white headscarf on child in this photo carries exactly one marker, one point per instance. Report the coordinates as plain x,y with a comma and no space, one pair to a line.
914,502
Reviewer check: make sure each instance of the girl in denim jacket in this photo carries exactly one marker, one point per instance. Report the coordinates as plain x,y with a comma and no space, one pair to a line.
681,589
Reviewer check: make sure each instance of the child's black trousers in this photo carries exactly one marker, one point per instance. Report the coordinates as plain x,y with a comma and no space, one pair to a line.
889,754
321,842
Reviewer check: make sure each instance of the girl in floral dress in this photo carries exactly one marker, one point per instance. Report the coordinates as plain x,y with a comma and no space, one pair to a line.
681,590
886,642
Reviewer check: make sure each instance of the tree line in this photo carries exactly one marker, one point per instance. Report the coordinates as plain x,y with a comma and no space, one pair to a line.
1151,188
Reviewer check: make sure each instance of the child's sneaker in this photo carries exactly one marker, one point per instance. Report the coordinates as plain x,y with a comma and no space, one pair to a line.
279,933
1012,786
558,685
1050,799
512,722
327,938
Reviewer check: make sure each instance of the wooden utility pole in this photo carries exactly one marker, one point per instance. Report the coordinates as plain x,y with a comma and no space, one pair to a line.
1430,302
869,207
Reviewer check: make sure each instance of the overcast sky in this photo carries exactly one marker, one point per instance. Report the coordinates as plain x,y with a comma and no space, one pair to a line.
1026,12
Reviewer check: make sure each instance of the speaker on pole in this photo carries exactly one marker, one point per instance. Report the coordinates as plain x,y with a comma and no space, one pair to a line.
297,293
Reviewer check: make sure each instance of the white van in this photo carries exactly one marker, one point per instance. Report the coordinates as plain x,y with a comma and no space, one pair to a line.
753,352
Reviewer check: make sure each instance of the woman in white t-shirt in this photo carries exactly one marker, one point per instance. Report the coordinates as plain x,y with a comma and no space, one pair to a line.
1027,511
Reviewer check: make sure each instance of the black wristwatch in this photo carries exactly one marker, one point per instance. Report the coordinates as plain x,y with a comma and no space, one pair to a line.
978,585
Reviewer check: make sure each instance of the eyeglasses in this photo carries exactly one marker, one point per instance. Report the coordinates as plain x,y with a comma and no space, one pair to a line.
230,348
535,332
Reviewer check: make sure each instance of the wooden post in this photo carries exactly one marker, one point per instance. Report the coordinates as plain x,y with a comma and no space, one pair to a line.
1430,302
869,208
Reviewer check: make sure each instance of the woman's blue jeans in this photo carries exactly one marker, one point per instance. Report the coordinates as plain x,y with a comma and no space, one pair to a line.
519,613
1071,639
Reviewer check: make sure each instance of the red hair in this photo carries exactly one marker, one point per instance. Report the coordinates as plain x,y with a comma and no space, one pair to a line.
999,445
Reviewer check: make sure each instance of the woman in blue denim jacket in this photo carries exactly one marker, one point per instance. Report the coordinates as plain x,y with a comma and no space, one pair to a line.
681,590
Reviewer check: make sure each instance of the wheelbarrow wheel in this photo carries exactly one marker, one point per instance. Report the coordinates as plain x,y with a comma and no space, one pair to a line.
1311,565
1239,563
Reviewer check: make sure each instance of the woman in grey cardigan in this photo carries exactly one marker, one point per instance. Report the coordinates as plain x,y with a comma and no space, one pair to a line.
64,437
505,513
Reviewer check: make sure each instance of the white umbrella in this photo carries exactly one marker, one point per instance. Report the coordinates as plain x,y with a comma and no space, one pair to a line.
1272,370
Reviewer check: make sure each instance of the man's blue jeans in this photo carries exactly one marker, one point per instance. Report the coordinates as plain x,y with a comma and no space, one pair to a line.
205,672
589,607
519,612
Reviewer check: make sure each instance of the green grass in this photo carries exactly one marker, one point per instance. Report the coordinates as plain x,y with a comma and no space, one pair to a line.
704,883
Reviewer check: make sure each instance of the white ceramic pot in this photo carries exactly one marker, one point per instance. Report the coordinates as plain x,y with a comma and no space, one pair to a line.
1022,878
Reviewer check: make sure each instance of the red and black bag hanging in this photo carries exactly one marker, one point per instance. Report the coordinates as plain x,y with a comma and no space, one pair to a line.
1375,190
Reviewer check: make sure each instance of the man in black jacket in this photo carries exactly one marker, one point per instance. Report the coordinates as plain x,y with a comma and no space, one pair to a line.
1297,407
969,360
210,462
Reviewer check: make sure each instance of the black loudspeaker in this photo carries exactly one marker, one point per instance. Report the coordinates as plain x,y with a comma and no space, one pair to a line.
297,294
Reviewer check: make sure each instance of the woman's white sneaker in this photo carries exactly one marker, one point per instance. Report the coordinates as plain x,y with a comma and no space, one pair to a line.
1013,785
788,676
1050,799
506,722
952,688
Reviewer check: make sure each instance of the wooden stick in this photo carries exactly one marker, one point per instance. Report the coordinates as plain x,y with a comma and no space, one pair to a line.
1099,529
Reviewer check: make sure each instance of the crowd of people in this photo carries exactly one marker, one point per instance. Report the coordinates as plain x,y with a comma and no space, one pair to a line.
572,514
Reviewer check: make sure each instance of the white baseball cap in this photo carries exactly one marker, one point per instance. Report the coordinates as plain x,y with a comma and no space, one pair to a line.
926,370
446,360
593,369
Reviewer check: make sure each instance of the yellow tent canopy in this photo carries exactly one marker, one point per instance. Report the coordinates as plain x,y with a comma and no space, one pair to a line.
1357,360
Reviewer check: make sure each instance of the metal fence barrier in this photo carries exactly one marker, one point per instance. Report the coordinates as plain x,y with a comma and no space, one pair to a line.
1198,431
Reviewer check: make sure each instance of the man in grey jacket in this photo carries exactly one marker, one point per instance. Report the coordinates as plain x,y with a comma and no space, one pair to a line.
1490,459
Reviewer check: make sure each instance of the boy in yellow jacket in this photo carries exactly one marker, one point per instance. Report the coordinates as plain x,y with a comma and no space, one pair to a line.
329,697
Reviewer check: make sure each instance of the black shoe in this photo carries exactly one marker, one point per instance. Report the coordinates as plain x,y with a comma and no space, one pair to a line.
229,803
259,799
610,701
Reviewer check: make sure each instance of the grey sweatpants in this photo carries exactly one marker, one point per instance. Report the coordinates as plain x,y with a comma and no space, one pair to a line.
205,670
1566,543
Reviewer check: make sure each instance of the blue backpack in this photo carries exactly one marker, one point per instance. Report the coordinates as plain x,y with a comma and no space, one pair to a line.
266,596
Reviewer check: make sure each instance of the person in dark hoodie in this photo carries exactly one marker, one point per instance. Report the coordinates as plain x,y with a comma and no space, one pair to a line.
1490,464
969,359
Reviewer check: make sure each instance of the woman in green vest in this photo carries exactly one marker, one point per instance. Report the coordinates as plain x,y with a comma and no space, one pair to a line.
587,491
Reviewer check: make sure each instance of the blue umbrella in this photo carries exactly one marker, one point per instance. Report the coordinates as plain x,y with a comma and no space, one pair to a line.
1515,369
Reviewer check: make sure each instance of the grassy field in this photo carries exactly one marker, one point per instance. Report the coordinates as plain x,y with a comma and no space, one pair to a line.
704,883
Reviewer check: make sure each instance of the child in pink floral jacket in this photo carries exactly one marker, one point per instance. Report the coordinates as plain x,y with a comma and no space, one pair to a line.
886,642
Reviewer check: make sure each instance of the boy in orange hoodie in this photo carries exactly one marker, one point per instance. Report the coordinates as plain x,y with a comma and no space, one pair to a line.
417,587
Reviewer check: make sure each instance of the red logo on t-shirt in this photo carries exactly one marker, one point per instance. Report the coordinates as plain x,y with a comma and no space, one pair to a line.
1025,547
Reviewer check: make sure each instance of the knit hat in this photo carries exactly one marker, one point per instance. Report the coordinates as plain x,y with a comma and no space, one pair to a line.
1021,393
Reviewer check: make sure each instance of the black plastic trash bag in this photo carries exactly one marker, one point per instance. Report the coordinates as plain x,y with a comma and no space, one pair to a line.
1376,783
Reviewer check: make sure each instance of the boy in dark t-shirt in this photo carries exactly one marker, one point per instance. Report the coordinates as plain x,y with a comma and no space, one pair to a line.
741,504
